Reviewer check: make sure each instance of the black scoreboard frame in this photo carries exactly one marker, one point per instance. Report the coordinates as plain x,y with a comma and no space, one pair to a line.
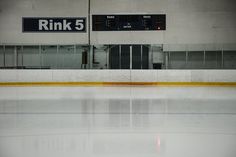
129,22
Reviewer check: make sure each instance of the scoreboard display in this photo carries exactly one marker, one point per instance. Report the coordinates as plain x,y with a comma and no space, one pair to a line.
147,22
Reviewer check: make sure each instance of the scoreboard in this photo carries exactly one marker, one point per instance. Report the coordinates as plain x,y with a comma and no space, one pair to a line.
147,22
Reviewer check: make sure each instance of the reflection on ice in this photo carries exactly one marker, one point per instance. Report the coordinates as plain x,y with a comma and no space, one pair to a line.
122,121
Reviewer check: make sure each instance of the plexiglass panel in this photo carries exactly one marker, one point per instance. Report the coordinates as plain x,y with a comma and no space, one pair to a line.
118,56
9,56
49,56
30,57
1,57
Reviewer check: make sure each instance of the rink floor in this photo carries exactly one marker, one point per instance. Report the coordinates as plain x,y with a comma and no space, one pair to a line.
117,121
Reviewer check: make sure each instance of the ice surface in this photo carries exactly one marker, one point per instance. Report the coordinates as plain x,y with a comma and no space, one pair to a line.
117,121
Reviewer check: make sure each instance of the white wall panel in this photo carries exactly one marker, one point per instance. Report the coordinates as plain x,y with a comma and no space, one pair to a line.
174,76
9,76
90,75
143,76
224,76
12,11
117,76
187,21
33,76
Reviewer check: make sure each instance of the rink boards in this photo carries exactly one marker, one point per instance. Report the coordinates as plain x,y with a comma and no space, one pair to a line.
117,77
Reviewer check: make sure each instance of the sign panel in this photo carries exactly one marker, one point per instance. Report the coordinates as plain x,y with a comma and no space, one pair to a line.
129,22
47,24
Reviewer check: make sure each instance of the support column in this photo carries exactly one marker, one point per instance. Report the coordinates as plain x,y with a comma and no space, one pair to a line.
88,23
90,57
4,56
57,57
15,56
186,59
108,56
40,56
75,59
150,57
204,59
166,60
222,59
119,56
169,59
22,56
141,56
131,52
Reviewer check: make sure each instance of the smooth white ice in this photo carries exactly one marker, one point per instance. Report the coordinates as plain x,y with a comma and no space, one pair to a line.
117,121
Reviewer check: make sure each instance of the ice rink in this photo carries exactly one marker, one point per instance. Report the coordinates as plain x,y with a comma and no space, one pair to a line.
117,121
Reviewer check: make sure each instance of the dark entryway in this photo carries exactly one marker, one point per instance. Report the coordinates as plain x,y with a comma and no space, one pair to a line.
128,56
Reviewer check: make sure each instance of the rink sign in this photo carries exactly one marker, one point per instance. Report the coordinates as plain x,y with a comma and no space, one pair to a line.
31,24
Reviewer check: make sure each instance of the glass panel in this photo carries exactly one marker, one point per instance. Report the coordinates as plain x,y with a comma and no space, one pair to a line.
49,56
114,57
145,57
66,57
30,58
1,57
213,59
79,56
100,57
230,59
136,57
9,56
195,60
177,60
125,56
20,56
